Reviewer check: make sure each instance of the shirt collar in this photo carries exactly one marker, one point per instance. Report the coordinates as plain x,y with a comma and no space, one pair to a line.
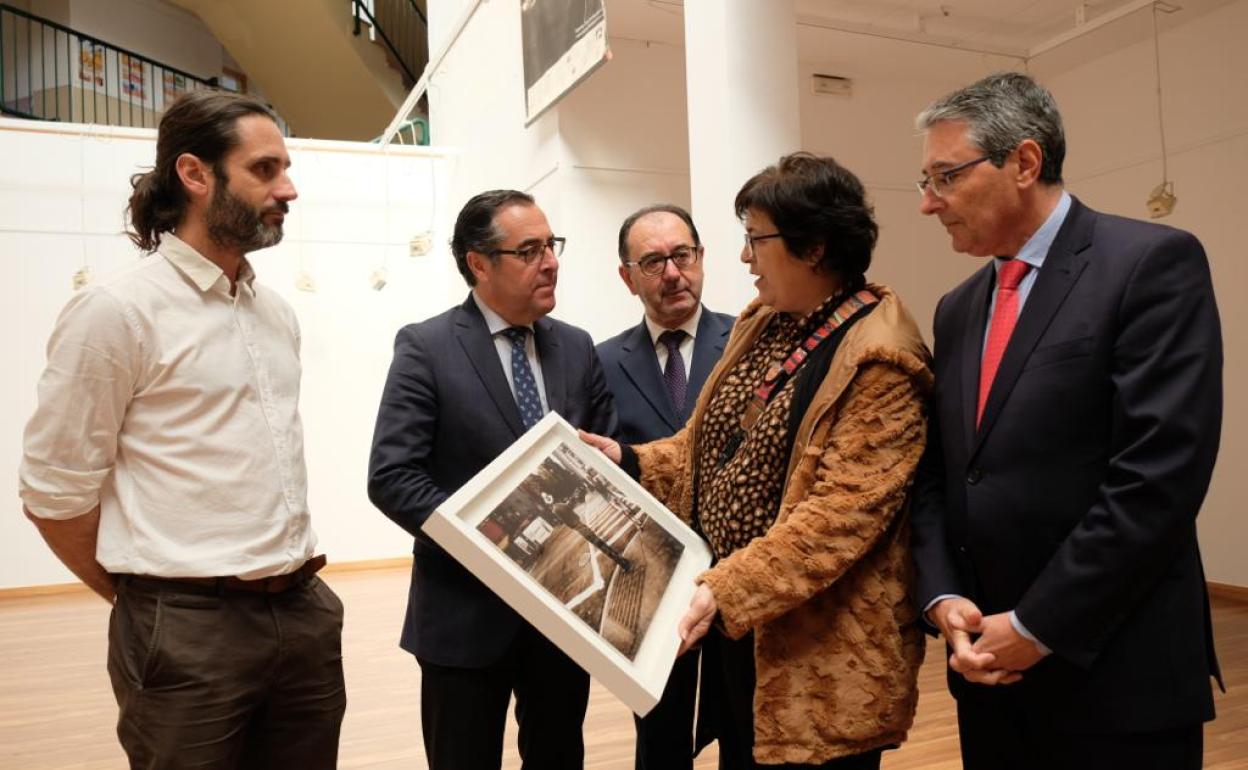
690,326
1037,246
202,272
493,321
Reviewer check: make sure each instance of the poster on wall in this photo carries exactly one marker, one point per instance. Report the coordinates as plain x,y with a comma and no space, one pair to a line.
582,552
563,41
174,86
91,65
132,76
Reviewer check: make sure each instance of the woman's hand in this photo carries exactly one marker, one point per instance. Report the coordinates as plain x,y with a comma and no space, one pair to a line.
609,447
697,620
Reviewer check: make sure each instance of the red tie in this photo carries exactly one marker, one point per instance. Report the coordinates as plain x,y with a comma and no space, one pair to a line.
1004,316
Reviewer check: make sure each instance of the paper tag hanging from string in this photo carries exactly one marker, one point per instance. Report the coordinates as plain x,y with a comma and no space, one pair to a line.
82,277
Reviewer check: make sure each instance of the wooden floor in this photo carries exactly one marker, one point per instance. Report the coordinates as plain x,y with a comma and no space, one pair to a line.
57,710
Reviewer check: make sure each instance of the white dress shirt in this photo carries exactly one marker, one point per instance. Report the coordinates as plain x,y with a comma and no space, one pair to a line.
174,406
689,327
496,324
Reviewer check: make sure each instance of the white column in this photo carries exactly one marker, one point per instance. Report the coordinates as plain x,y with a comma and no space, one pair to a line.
741,77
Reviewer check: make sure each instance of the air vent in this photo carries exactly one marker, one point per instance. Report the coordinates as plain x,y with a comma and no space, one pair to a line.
832,84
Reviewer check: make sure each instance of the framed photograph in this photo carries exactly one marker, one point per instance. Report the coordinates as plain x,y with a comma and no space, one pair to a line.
582,552
563,42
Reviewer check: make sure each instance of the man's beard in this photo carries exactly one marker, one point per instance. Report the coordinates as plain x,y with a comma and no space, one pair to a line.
233,224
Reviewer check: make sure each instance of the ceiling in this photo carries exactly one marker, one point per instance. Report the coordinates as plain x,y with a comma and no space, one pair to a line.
1010,27
1022,29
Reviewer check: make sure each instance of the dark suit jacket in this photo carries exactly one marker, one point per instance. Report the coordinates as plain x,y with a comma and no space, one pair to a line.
634,377
446,412
1075,501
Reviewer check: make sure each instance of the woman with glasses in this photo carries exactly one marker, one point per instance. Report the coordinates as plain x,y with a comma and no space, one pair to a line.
795,466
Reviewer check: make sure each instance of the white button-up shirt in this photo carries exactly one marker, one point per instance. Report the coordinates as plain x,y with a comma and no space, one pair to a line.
174,406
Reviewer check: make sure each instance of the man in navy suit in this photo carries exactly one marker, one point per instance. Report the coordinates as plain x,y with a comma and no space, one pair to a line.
1074,428
655,371
462,387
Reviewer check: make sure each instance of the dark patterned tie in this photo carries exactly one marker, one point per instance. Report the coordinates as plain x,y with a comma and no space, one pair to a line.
674,370
522,378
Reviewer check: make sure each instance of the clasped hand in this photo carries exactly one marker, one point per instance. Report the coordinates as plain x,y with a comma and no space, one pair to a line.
998,656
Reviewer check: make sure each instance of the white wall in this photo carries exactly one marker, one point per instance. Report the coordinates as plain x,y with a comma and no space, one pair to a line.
1110,112
61,201
616,143
872,133
624,140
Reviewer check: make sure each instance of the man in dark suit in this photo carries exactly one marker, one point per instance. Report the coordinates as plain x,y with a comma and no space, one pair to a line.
1073,433
462,387
655,370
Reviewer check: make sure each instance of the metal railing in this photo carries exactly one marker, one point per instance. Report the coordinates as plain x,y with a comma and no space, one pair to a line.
51,72
403,30
411,131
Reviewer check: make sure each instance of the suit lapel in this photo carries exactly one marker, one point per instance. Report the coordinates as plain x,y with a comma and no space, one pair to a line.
641,366
553,369
707,348
972,349
1062,267
474,337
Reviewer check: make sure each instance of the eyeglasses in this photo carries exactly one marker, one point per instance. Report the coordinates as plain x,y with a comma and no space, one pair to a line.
750,239
531,252
940,181
654,264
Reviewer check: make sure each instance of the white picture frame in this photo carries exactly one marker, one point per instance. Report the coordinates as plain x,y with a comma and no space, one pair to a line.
580,551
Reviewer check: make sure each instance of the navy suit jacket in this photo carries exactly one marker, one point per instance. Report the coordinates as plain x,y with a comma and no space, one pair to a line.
447,412
1075,500
633,375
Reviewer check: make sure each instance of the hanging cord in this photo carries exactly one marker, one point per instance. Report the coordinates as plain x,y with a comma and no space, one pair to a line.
82,276
1161,124
381,274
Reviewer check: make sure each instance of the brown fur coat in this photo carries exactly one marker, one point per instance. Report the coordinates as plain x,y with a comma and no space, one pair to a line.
827,591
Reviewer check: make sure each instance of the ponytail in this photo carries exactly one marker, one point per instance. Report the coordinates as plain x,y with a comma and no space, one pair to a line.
156,206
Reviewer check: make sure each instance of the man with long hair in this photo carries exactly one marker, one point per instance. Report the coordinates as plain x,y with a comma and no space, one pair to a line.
164,464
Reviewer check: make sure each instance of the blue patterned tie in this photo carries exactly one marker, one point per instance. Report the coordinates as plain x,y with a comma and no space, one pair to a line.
674,370
522,378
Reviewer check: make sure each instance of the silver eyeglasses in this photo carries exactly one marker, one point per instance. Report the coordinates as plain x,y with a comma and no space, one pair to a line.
654,264
531,252
940,181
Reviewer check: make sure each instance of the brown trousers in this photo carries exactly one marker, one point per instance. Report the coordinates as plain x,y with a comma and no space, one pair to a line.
211,679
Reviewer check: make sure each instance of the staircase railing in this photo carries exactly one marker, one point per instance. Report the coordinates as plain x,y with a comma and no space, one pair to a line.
51,72
403,29
411,131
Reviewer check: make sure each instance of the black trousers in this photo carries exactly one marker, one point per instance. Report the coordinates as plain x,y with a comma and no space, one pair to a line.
227,680
463,711
728,694
665,735
997,734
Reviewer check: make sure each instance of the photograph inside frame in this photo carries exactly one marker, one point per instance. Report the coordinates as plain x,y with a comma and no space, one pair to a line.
595,551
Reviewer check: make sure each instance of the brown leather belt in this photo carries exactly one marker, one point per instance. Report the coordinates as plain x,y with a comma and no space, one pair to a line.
268,585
